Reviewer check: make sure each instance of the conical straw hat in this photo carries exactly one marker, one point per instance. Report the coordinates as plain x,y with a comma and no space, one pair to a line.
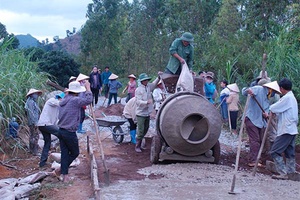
273,85
132,76
32,91
112,77
82,77
233,87
72,78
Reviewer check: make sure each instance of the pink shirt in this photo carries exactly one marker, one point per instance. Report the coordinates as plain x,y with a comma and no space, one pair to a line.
131,87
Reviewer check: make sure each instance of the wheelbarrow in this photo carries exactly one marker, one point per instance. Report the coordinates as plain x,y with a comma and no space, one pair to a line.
115,126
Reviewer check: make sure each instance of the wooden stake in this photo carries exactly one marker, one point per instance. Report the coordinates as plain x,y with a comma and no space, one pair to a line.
239,148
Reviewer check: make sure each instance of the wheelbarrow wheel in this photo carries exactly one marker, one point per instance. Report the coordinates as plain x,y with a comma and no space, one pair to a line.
117,134
155,149
216,152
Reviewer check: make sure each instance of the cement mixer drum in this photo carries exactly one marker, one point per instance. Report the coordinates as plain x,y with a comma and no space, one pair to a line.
188,128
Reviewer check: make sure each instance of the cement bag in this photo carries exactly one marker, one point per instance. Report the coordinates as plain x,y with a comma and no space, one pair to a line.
185,81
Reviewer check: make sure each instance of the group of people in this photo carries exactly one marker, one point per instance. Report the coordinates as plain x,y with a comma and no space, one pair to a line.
60,116
65,120
264,103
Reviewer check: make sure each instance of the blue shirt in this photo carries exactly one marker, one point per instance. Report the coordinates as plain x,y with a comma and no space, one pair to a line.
209,91
114,85
104,77
254,113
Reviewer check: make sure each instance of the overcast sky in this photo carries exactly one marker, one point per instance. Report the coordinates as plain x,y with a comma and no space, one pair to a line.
43,18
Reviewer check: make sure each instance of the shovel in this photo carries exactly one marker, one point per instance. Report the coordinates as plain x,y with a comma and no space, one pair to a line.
239,148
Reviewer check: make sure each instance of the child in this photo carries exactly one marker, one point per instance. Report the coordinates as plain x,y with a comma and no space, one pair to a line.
113,86
233,108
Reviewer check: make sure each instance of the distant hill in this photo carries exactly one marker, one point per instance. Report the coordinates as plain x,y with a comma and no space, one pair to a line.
69,44
27,41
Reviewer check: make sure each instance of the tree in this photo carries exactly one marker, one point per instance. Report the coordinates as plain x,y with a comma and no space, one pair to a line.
3,32
60,65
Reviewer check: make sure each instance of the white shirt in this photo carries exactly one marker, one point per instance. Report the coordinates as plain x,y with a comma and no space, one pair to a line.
49,115
157,97
287,111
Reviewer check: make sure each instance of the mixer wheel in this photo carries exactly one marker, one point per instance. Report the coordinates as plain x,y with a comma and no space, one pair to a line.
216,152
155,149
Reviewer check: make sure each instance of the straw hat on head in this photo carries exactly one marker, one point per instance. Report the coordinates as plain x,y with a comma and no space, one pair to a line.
132,76
82,77
273,85
143,77
76,87
72,78
32,91
233,87
210,74
113,77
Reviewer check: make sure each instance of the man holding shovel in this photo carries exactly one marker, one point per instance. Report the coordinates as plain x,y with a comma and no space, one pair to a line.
256,115
287,111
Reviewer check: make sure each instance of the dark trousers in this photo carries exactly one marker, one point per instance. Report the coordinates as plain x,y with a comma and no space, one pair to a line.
95,92
284,144
69,149
233,118
132,125
112,95
105,90
129,96
46,132
255,138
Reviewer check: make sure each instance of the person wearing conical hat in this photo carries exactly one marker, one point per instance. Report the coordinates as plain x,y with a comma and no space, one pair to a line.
144,106
181,51
287,111
113,85
255,118
131,86
47,124
104,77
232,101
33,114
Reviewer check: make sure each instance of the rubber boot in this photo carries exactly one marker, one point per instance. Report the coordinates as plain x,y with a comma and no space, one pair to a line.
280,165
143,144
80,130
290,165
132,134
138,146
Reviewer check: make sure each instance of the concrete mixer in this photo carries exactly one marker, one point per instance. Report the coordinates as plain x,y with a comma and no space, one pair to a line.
188,126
